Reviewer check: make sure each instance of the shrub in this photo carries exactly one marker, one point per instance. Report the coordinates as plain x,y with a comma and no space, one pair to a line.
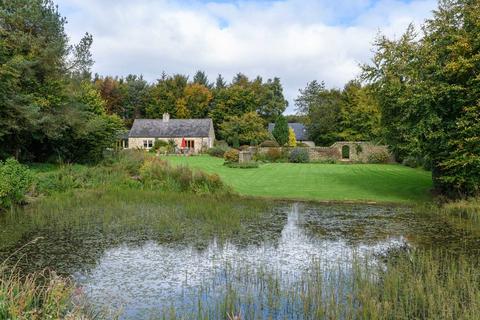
274,154
378,157
218,151
292,139
15,181
131,161
64,179
206,183
153,172
299,155
220,143
244,165
160,146
301,144
269,143
410,162
231,155
156,173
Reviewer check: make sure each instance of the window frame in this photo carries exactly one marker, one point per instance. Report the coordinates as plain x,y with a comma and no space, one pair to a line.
148,143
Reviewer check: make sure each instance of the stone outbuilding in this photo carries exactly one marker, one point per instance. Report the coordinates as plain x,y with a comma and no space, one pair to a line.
196,134
301,133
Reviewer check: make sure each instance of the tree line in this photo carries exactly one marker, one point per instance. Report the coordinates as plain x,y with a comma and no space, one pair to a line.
240,100
427,84
420,95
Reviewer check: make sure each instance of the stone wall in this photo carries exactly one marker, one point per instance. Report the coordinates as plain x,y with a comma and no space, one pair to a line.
354,151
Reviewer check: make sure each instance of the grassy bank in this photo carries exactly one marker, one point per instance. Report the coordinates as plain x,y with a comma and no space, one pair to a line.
135,192
321,182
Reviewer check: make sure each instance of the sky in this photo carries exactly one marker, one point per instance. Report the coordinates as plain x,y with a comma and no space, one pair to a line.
295,40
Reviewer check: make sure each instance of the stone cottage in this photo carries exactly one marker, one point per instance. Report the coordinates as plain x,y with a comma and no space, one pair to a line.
196,134
301,133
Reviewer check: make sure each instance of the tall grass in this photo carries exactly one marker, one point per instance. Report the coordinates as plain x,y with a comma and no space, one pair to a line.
466,209
415,285
136,192
38,295
128,169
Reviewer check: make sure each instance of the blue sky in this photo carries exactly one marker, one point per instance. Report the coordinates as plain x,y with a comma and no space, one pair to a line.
296,40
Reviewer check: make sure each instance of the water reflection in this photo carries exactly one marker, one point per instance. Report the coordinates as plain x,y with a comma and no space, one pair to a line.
147,279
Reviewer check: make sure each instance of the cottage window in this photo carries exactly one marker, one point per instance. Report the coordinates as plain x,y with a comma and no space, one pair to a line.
190,144
147,144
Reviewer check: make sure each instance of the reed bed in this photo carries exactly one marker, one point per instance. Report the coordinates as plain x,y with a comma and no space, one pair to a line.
410,285
39,295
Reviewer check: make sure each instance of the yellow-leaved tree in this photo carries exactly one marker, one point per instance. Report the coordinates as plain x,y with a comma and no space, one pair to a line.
292,139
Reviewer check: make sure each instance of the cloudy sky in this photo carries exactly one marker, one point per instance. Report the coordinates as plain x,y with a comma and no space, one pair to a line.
296,40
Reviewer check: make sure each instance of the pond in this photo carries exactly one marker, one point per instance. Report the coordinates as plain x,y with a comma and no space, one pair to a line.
139,277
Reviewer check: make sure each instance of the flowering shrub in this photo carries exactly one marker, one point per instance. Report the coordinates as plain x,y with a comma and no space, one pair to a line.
299,155
231,155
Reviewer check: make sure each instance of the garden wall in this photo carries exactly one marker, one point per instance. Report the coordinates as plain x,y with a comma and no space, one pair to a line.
348,151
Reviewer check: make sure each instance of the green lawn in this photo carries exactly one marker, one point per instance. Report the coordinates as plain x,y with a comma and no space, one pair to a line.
334,182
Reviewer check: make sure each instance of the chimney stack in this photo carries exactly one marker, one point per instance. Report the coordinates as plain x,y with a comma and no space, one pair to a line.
166,117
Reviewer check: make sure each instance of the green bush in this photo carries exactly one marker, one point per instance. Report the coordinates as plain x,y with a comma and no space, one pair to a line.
220,143
269,143
64,179
15,181
378,157
218,151
206,183
130,160
410,162
231,155
301,144
299,155
160,146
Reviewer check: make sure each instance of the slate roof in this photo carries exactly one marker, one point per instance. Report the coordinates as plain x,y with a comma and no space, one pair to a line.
299,128
173,128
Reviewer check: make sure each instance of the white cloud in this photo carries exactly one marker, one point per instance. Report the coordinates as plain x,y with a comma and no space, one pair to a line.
298,41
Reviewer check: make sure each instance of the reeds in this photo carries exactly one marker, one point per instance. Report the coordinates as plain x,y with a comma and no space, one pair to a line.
38,295
411,285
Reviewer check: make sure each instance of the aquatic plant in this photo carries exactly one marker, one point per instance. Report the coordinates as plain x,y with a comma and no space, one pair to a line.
38,295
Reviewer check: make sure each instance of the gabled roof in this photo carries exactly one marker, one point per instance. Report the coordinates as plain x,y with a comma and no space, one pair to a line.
173,128
301,132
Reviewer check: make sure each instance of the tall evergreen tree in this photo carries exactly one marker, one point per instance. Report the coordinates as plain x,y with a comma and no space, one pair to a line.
280,131
273,102
220,82
201,78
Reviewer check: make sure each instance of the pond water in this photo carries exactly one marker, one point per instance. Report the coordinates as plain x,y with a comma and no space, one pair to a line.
138,277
